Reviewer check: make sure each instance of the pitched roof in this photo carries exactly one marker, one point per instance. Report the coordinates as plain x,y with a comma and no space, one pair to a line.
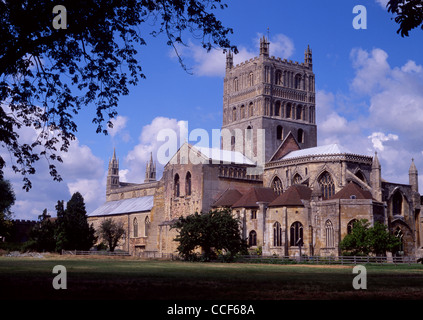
321,150
225,156
292,196
352,191
124,206
228,198
254,195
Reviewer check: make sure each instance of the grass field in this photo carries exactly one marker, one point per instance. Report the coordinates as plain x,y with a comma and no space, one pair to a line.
127,278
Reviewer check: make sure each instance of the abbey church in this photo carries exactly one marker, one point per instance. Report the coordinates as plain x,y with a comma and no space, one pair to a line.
291,195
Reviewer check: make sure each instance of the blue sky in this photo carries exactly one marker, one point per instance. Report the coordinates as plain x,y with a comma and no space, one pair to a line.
369,87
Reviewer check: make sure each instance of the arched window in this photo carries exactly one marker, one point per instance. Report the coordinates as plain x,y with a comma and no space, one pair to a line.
350,226
299,113
327,185
296,234
135,226
250,109
300,136
288,110
278,77
236,84
176,185
146,226
330,235
277,185
277,108
360,175
242,112
251,78
298,81
297,179
277,234
252,238
279,133
397,203
188,184
234,114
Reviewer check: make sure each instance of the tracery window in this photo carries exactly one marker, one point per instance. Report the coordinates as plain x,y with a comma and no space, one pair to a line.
296,234
297,179
327,185
277,234
277,185
252,238
135,227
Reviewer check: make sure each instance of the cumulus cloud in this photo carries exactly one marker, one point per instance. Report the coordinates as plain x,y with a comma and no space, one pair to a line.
378,138
388,102
119,124
150,142
81,171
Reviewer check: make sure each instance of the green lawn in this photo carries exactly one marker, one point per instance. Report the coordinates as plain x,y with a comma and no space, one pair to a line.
112,278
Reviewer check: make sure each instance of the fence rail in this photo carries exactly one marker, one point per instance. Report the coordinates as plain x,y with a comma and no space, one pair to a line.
329,259
95,253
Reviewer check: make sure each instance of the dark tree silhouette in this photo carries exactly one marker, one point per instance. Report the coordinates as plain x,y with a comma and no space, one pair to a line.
409,14
47,75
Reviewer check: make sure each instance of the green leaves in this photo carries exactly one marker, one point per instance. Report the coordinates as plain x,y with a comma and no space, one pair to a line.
364,239
211,232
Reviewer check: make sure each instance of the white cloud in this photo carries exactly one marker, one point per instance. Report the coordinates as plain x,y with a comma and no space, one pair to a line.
138,157
213,63
378,138
119,123
388,102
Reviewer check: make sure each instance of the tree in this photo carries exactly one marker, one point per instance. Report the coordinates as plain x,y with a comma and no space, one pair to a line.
409,14
73,231
111,232
364,239
213,232
48,75
42,236
7,200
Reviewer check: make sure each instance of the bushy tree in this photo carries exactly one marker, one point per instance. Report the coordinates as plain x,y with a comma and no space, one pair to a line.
42,236
111,232
211,232
73,231
7,200
48,75
364,239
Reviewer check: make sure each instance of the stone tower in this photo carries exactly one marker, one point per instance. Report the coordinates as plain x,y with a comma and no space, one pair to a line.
150,170
113,174
271,94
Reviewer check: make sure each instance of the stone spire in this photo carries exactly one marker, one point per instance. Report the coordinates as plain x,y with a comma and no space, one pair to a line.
229,60
413,176
308,57
264,47
376,179
113,173
150,170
